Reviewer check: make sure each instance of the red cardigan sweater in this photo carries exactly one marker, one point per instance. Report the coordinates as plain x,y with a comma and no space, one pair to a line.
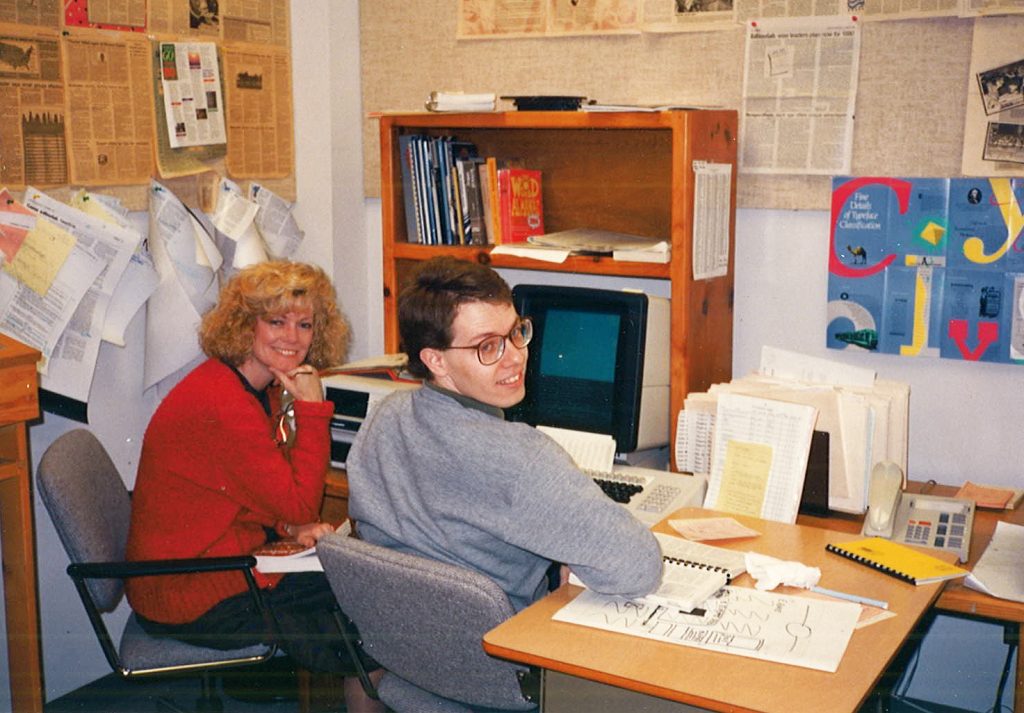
210,478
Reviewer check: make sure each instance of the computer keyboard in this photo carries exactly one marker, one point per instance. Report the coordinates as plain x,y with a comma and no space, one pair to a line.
651,494
619,491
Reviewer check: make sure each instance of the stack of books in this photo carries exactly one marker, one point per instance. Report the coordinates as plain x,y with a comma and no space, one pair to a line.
452,196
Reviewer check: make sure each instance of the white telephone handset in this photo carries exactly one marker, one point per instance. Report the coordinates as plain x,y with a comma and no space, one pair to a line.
884,494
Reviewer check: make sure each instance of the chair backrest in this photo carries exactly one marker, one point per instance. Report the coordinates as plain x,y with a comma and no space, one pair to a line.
89,505
424,620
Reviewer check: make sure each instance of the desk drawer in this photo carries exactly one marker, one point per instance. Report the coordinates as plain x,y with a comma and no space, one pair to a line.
19,393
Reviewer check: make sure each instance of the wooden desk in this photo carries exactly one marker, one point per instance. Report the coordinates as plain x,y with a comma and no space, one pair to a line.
335,504
19,402
724,682
955,597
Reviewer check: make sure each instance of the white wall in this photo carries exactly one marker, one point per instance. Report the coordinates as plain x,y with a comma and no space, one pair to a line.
963,416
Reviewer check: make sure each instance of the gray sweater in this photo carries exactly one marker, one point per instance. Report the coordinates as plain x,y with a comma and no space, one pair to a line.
442,476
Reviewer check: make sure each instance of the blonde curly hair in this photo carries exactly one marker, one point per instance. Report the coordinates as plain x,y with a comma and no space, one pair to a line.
273,288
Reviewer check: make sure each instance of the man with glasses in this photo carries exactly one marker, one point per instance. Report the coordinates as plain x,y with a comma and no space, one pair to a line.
438,472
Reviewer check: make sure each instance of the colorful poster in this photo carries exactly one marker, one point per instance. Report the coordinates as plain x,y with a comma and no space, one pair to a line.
927,267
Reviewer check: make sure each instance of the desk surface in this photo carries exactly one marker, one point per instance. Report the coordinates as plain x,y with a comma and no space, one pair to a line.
721,681
955,596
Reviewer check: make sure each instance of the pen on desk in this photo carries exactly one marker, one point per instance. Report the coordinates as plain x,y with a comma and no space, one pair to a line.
851,597
654,611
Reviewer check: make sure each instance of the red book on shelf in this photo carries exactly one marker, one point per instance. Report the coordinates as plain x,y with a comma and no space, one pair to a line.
521,207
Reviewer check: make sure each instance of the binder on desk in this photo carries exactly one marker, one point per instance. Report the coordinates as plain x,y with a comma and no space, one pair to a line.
897,560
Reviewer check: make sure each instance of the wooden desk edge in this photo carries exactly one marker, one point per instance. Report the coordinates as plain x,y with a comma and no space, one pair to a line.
602,677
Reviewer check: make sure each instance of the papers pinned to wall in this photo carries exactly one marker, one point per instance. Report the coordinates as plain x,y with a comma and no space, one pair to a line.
76,274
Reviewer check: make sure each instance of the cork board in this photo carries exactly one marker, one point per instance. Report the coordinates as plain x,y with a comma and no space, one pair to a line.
909,109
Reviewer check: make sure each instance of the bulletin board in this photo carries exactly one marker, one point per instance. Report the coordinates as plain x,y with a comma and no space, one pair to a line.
87,101
914,80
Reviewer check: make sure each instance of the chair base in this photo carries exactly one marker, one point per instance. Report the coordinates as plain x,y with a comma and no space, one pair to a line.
273,681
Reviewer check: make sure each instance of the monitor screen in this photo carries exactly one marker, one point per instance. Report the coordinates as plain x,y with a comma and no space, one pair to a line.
585,370
580,344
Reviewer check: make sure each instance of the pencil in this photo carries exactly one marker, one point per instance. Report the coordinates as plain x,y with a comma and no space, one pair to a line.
851,597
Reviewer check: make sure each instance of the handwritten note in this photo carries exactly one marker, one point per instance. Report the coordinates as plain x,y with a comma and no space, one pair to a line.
744,478
42,254
737,466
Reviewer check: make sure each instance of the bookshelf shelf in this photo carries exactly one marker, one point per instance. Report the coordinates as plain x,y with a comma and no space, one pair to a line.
629,172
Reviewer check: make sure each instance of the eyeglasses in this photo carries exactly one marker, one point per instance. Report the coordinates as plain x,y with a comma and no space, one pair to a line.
490,350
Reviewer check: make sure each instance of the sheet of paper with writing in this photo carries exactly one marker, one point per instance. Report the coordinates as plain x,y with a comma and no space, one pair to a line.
764,625
760,456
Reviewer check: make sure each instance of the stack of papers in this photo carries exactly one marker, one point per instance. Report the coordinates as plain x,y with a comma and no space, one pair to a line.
866,419
457,101
592,240
987,496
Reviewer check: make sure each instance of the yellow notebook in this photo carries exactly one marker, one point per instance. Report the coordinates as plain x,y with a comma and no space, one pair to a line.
897,560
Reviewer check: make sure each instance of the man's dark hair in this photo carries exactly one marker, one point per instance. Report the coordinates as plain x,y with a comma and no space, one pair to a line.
430,300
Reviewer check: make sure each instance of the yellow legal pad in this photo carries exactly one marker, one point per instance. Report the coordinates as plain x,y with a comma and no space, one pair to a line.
897,560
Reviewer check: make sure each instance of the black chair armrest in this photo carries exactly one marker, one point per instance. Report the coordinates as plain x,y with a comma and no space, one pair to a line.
146,568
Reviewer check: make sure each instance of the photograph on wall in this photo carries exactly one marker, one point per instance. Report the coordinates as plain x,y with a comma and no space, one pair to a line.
1004,142
688,15
995,98
1001,88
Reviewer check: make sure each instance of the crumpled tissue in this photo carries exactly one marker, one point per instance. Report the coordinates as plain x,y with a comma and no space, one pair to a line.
770,572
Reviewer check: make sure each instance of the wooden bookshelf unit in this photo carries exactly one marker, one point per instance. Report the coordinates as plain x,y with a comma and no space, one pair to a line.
19,402
628,172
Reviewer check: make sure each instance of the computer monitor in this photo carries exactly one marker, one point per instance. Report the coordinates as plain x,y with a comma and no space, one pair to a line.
599,362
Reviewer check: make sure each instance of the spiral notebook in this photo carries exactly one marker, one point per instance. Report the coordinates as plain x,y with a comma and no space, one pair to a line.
897,560
692,572
681,551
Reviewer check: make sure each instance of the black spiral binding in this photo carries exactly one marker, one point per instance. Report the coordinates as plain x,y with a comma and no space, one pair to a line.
699,565
873,565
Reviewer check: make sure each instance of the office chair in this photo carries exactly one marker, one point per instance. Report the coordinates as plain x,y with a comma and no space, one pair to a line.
424,622
90,508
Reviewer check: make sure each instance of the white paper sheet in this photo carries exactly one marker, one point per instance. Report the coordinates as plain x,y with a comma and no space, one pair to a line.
281,234
188,286
799,90
999,572
785,429
70,368
800,631
235,217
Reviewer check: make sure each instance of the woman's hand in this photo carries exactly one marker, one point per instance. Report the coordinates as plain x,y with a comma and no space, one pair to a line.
308,534
302,382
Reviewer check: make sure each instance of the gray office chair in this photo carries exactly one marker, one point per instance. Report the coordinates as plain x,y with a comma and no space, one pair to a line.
424,622
90,508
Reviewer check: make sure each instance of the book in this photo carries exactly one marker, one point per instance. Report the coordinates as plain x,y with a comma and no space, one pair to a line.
692,572
286,556
410,188
289,555
897,560
732,563
521,207
472,203
494,222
